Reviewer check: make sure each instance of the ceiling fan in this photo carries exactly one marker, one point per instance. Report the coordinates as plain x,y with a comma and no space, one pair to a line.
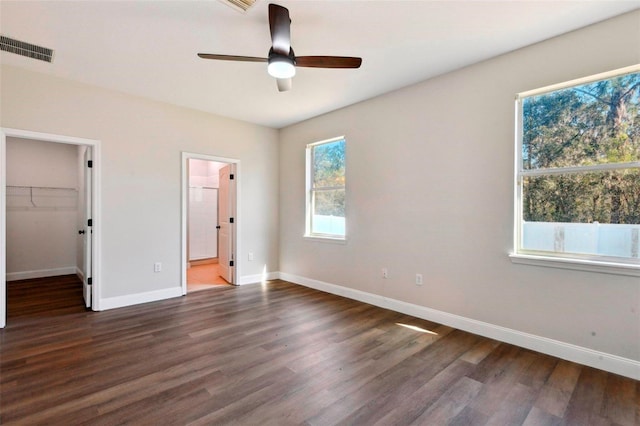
282,62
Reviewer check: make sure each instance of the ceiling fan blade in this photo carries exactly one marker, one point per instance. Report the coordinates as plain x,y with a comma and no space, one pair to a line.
328,62
280,26
232,57
284,84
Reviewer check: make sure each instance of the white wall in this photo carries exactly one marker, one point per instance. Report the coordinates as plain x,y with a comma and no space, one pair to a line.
141,144
430,190
41,238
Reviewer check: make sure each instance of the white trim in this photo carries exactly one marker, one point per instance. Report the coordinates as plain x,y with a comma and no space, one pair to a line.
3,231
604,361
138,298
258,278
327,239
40,273
97,225
577,264
184,191
579,81
79,273
517,190
579,169
330,140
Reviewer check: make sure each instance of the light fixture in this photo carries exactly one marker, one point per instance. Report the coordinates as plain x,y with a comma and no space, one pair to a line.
281,66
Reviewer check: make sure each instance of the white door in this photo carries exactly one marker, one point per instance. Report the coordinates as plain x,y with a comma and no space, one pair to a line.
226,216
87,227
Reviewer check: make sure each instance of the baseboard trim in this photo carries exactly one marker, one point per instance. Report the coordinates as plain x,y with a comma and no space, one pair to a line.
40,273
80,274
138,298
258,278
567,351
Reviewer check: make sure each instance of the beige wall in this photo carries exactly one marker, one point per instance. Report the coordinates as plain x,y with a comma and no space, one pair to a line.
141,142
430,190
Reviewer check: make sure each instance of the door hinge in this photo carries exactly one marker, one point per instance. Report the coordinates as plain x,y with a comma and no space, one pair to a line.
90,164
90,222
232,176
89,281
231,220
231,263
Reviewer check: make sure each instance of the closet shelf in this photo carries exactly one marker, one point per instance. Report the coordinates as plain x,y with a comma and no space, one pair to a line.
42,187
24,197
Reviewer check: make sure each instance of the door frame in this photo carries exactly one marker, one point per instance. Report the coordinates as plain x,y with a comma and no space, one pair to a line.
95,204
184,218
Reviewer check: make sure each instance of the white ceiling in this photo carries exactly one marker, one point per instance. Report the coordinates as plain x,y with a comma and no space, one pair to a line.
148,48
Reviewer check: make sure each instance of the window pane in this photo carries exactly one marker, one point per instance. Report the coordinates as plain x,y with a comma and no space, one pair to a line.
328,165
605,197
328,212
591,213
594,123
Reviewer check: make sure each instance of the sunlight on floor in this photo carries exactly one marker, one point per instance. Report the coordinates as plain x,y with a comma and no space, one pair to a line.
415,328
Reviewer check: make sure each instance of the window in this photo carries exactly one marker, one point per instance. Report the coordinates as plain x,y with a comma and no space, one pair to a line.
578,171
326,189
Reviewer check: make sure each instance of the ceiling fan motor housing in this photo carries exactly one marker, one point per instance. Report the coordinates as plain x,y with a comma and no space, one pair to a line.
281,66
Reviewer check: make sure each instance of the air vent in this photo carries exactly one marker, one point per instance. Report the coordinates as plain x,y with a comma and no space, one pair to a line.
241,5
26,49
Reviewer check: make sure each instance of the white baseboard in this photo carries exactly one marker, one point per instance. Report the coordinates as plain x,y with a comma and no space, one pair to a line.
135,299
40,273
601,360
80,274
258,278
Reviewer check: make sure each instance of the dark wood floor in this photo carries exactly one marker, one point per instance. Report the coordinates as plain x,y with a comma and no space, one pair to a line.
278,354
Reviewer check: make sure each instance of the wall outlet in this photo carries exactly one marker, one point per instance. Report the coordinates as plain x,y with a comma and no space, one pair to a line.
385,273
157,267
250,255
418,279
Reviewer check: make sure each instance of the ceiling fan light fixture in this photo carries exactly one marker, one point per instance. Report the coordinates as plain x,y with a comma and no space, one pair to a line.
281,67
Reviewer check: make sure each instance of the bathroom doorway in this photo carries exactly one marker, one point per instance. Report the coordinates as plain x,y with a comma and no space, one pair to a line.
209,206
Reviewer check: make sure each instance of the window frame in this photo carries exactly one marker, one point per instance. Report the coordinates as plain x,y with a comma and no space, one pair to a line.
575,261
309,190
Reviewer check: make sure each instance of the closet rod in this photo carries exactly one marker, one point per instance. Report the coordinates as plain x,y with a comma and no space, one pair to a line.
202,187
41,187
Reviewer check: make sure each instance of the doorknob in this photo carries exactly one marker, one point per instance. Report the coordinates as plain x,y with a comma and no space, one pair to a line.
81,231
218,227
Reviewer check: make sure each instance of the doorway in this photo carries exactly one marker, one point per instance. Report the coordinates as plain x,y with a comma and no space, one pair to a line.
71,204
209,222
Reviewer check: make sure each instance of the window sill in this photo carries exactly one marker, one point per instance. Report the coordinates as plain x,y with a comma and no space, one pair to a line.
577,264
332,240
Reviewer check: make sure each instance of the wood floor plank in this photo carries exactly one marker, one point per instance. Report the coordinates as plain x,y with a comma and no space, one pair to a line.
556,393
586,403
412,407
538,417
278,354
515,407
411,380
469,417
618,401
480,351
451,403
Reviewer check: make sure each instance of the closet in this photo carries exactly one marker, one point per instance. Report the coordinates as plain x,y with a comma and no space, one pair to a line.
43,209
